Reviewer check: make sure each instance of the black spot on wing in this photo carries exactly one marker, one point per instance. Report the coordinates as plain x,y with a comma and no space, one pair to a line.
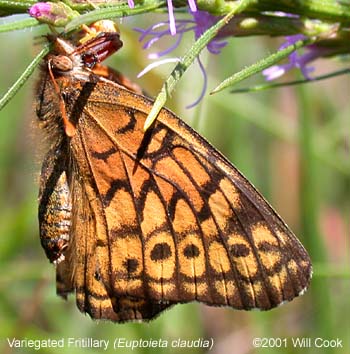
160,252
105,154
114,187
131,124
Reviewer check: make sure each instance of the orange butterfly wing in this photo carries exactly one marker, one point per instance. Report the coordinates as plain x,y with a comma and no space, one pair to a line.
137,222
162,217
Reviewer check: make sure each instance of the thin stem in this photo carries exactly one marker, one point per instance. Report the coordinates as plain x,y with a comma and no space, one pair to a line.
23,78
113,12
16,6
309,212
261,64
292,83
18,25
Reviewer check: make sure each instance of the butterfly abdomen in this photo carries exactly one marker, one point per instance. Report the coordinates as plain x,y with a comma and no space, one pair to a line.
55,219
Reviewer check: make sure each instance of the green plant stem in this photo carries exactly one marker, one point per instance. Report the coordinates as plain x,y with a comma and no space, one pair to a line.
331,10
263,24
291,83
15,6
113,12
18,25
261,65
23,78
309,209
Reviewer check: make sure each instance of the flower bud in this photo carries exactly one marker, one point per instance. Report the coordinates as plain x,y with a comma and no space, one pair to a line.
57,14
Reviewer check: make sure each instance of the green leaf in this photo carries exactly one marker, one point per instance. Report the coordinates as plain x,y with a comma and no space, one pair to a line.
261,65
291,83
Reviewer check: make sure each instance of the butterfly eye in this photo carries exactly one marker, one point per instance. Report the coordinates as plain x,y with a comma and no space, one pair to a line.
61,63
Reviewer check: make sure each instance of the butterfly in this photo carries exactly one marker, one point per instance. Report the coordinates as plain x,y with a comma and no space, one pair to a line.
136,221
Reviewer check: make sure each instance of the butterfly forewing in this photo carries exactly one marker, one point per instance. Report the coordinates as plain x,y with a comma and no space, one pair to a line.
160,217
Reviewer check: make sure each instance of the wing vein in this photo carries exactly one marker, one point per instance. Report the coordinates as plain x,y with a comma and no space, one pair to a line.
89,164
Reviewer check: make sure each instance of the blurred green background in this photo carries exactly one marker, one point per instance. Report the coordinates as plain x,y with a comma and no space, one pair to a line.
292,143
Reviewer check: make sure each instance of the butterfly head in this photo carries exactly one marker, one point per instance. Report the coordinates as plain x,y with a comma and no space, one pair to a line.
67,57
63,59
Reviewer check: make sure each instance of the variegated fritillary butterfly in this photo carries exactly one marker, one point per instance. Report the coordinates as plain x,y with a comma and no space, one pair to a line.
137,222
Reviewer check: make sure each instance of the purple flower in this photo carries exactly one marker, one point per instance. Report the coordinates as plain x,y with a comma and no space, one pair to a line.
171,22
172,25
204,21
296,60
57,14
40,9
199,24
